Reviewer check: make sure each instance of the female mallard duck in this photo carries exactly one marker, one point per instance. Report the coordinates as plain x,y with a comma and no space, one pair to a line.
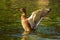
33,21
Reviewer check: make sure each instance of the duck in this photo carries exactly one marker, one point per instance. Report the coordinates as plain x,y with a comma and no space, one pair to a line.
33,21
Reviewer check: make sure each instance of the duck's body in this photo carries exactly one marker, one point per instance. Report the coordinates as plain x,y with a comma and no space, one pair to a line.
33,21
25,23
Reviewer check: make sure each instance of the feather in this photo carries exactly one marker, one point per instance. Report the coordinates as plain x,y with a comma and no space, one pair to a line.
37,16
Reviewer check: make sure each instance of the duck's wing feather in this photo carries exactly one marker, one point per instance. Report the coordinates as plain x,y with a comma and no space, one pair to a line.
36,17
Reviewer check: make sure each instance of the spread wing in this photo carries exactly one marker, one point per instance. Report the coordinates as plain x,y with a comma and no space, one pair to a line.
36,17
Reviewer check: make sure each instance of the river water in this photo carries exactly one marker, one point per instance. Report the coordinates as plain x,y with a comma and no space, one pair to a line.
41,33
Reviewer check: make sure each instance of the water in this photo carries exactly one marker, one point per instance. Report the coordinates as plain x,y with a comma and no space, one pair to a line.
41,33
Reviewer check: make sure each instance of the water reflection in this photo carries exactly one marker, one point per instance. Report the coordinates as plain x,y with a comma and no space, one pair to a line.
25,35
38,36
42,33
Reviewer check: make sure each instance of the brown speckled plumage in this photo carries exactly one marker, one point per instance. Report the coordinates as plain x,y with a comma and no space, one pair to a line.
33,21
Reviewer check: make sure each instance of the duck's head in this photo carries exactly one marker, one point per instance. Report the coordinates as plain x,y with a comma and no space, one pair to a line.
22,10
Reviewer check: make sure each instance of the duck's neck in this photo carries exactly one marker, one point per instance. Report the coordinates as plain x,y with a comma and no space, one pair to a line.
23,16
